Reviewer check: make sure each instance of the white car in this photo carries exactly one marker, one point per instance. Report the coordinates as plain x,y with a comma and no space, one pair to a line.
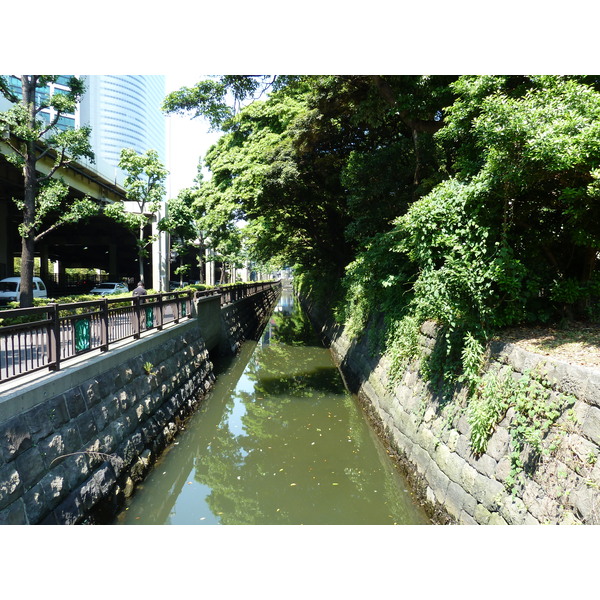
108,288
10,289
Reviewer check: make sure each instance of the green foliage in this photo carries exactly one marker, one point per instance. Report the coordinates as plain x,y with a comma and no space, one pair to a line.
116,211
64,312
144,182
145,185
536,411
187,236
377,285
401,344
379,184
472,357
487,406
538,146
209,98
468,275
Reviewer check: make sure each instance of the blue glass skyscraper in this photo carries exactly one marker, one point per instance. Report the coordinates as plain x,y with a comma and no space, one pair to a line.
124,112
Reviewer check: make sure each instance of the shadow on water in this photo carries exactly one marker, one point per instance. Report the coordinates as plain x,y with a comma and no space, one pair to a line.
278,441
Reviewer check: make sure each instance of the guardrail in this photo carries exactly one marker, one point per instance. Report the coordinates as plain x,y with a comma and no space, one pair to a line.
52,334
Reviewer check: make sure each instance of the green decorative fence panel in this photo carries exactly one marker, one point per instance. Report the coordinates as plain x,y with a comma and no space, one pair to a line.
149,317
82,335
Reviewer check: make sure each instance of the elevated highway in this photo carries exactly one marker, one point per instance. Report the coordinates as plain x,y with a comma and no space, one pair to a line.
100,243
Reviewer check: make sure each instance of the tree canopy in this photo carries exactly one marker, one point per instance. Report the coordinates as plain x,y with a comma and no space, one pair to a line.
471,200
145,186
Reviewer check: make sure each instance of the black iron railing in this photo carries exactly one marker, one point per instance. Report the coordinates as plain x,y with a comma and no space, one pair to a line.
44,337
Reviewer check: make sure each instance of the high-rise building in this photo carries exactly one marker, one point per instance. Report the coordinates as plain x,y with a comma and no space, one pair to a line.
124,112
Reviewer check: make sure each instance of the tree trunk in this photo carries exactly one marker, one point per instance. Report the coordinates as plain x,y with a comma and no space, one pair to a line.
201,268
27,255
583,305
29,196
28,234
141,255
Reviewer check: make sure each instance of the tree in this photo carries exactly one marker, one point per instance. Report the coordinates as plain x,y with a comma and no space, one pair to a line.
216,216
33,139
144,185
181,224
219,99
531,145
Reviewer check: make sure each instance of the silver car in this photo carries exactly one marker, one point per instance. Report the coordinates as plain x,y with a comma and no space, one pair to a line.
108,288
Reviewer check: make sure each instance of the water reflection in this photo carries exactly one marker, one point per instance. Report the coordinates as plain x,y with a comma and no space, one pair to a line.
279,441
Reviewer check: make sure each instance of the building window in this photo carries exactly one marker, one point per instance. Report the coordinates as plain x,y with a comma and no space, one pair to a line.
63,79
65,123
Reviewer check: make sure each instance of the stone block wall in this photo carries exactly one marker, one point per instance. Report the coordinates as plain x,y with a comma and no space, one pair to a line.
432,438
74,457
243,319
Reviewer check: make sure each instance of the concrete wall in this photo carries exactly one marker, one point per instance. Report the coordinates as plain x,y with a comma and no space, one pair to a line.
432,439
74,444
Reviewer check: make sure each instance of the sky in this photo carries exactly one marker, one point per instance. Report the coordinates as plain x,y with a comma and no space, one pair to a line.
187,139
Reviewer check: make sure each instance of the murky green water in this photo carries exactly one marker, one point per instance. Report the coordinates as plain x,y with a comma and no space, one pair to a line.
278,441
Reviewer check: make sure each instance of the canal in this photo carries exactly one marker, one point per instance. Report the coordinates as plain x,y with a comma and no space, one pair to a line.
279,440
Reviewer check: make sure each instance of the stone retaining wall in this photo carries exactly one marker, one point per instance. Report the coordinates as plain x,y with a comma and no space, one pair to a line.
432,439
243,319
77,446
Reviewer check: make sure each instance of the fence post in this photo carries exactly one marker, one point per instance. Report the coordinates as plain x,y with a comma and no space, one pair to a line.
176,307
160,316
104,325
136,317
53,337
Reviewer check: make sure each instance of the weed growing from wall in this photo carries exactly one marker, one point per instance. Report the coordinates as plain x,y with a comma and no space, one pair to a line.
536,410
402,345
487,406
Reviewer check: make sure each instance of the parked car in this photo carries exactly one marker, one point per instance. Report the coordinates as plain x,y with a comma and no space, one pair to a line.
10,289
108,288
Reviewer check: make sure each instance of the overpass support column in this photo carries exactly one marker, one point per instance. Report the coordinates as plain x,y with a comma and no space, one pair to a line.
112,263
210,268
44,263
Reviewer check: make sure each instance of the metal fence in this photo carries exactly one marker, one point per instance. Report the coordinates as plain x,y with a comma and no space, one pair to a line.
43,337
